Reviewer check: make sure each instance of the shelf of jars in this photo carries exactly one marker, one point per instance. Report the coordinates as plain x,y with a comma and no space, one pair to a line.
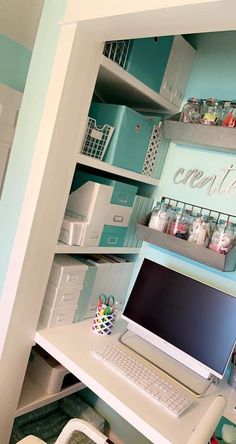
209,237
208,136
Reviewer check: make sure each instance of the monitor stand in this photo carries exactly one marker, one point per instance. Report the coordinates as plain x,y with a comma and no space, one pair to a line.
178,372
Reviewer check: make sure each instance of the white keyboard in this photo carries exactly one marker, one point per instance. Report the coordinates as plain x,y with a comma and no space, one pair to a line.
148,381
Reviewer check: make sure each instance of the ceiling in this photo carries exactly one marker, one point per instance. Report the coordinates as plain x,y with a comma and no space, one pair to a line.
19,20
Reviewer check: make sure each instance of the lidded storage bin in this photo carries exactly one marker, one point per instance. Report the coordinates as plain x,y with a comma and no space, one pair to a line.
128,146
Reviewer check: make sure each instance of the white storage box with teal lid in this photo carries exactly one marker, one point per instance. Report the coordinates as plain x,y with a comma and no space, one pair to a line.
123,193
128,146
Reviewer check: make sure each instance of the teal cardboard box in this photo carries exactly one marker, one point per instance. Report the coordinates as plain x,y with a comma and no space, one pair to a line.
128,146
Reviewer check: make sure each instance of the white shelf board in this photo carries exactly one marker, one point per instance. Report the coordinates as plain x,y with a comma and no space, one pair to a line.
116,85
74,249
32,397
103,166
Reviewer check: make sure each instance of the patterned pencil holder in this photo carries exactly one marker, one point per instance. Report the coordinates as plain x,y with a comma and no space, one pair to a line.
102,323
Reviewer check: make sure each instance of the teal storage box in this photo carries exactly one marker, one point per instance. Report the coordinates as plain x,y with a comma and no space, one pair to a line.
128,146
123,193
112,236
148,58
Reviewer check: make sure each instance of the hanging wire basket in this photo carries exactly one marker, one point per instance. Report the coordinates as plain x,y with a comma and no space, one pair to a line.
96,139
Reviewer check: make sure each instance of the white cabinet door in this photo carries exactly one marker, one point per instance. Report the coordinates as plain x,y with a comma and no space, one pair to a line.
185,66
177,71
169,79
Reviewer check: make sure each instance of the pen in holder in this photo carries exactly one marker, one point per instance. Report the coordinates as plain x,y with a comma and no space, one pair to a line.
105,315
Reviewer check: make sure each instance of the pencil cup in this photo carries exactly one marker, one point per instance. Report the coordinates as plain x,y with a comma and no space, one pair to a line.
102,323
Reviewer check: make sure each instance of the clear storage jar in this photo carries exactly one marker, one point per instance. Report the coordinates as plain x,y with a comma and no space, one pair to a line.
179,224
200,230
229,115
223,237
191,111
160,217
210,112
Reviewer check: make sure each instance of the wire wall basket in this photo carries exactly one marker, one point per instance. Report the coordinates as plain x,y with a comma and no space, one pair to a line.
117,51
216,216
96,139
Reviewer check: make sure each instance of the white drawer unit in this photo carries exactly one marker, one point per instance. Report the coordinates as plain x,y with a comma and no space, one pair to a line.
61,296
67,271
52,317
118,215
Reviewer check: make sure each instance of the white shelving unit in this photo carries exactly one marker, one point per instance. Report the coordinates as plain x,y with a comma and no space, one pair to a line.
115,85
32,396
106,167
74,249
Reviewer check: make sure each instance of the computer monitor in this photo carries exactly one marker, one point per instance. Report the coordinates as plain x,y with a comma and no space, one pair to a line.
190,321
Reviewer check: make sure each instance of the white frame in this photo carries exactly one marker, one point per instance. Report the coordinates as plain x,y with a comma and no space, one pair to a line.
85,27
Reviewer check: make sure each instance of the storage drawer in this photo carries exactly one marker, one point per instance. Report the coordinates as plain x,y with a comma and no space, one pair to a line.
112,236
118,215
67,271
123,194
62,296
53,317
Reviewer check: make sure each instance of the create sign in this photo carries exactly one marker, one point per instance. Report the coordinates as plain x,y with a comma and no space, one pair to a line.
219,183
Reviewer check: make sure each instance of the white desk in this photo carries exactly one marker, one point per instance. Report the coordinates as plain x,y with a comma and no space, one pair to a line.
71,345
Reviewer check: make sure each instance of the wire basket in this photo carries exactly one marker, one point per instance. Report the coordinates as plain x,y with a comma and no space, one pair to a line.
117,51
103,324
96,139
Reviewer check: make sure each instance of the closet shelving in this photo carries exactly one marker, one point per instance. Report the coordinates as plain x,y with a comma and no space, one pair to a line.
116,85
33,397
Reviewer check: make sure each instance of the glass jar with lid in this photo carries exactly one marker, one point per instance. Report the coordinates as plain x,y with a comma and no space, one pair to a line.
179,224
200,230
210,112
229,116
191,111
223,237
160,217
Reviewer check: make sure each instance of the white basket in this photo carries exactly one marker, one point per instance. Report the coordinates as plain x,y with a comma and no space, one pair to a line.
117,51
102,324
96,139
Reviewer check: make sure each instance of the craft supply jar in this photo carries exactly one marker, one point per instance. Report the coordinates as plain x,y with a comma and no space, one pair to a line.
179,224
210,112
223,237
200,230
229,115
191,111
160,217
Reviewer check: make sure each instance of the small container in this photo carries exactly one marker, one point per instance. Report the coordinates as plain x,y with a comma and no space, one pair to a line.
229,115
179,225
200,230
191,111
223,237
210,112
102,323
160,217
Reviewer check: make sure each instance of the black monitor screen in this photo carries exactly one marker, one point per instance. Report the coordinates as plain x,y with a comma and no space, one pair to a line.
192,316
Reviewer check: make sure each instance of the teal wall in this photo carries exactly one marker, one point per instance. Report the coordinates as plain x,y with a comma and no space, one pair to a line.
27,127
213,74
214,70
15,60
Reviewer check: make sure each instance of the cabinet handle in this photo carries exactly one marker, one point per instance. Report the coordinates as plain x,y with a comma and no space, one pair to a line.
179,94
112,240
67,298
168,86
118,218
